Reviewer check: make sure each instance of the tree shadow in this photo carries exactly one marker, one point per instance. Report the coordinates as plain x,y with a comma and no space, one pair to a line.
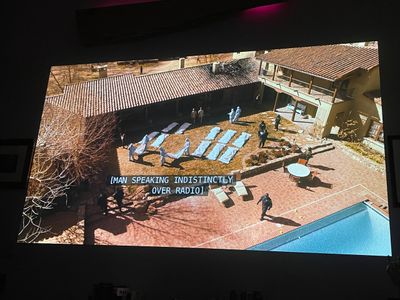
282,220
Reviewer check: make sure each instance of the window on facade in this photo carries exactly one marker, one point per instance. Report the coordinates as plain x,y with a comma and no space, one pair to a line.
376,131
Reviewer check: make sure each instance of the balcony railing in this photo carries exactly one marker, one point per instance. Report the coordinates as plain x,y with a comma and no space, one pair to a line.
303,87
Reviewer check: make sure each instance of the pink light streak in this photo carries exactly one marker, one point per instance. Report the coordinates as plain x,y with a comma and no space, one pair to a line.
261,12
108,3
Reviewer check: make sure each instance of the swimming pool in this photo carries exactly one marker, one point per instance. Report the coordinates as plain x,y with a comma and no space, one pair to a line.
359,229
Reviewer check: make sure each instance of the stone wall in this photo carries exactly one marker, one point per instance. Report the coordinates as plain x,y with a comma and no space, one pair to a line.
283,161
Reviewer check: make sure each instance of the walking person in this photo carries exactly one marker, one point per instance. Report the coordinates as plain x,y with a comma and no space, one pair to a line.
102,202
193,115
277,122
200,114
119,196
262,135
266,203
308,154
131,151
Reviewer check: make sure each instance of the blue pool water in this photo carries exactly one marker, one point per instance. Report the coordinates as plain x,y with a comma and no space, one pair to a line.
359,229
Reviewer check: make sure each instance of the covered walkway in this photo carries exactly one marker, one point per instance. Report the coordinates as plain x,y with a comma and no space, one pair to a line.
299,120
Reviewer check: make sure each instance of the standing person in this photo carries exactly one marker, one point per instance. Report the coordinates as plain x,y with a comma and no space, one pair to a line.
237,114
163,154
187,146
262,126
102,202
308,154
119,196
277,122
200,114
193,115
262,135
122,136
131,151
231,115
266,203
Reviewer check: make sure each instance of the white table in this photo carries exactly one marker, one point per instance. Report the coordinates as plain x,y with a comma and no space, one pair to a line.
298,170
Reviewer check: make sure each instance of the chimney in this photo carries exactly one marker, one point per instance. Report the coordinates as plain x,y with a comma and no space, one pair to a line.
181,63
102,71
215,67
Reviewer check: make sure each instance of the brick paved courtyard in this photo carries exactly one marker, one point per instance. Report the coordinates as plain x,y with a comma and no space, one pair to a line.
206,223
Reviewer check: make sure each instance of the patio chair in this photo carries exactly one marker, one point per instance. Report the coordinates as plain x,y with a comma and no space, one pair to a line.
302,161
241,189
239,186
219,193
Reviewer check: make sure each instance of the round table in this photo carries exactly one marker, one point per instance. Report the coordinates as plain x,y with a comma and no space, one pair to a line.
298,170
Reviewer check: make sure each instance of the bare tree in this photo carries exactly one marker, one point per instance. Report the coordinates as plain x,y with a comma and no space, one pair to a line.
236,68
69,149
239,67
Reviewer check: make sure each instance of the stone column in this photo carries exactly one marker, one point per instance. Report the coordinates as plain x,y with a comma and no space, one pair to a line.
276,101
181,63
294,109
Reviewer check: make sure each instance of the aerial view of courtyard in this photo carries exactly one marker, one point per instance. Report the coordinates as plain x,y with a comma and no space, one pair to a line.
299,129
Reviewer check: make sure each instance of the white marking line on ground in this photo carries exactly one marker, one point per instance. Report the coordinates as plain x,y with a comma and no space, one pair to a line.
373,193
261,222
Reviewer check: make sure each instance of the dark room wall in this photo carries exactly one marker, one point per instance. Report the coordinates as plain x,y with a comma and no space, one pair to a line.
43,33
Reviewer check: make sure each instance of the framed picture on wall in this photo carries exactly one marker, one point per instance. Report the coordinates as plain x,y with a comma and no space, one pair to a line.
394,167
15,158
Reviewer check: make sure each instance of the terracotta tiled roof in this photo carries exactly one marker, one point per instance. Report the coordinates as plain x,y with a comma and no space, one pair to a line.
126,91
330,62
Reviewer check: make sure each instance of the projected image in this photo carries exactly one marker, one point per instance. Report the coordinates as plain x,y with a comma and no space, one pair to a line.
269,150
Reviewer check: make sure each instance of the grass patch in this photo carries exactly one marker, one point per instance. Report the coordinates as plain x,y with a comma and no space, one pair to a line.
366,151
195,166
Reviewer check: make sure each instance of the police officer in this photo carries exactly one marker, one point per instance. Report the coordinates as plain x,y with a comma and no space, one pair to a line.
266,205
119,196
308,154
277,122
102,202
